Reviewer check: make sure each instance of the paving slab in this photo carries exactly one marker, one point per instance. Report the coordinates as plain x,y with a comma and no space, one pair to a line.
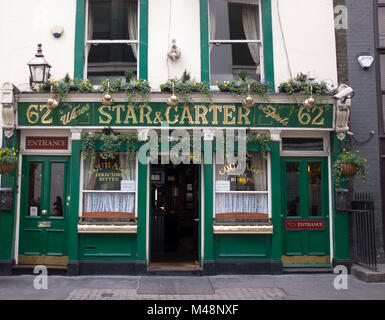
175,285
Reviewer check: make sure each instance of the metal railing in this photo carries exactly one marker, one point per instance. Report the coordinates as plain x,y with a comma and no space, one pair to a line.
364,230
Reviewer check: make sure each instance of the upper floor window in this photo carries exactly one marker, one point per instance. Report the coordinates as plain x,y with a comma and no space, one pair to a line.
235,39
111,38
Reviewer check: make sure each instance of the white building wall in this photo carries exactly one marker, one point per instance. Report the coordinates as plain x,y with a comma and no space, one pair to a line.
179,20
24,24
308,30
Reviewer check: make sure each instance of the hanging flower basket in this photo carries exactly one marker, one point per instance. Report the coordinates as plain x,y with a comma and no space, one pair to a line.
6,167
348,169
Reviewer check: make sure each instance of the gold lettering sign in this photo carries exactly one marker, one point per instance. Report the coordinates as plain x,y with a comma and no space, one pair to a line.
123,114
271,112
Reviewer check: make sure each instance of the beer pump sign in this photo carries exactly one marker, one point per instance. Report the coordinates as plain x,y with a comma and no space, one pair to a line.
154,114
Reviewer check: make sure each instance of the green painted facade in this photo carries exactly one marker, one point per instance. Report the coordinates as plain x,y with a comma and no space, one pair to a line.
133,248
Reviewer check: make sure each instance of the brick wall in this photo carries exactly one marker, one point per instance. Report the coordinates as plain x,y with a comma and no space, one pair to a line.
364,115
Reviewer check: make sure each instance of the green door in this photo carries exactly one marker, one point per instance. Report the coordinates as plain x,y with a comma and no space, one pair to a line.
305,216
44,210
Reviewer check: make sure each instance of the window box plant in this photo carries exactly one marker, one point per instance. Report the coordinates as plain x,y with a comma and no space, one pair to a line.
240,85
301,84
347,165
8,160
185,86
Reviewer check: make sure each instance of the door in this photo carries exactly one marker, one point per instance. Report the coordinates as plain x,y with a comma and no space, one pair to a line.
44,210
175,214
305,215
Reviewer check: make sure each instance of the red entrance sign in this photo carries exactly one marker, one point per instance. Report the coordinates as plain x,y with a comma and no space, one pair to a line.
46,143
309,224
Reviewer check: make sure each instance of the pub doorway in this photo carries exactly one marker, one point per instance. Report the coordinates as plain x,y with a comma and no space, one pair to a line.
174,215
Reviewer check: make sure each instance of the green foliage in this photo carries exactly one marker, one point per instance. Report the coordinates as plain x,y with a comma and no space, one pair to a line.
353,158
301,84
83,85
262,139
239,86
185,86
8,155
111,143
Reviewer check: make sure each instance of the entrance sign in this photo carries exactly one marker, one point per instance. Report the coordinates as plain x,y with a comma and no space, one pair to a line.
305,224
153,114
46,143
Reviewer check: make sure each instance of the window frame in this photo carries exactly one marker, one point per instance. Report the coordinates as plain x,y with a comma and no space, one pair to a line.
96,41
82,191
268,184
80,37
218,42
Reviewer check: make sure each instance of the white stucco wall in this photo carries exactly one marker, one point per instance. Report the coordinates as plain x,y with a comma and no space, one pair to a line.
308,28
184,27
24,24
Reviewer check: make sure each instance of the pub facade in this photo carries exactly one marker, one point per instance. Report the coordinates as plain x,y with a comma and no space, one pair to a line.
132,170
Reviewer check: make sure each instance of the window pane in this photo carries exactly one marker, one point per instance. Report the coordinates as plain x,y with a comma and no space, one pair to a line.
57,189
292,188
315,189
117,174
242,206
382,70
381,26
34,190
110,60
303,144
112,20
234,21
227,60
254,177
113,174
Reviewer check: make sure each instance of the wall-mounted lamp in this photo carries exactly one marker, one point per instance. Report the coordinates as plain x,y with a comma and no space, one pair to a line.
107,98
39,68
173,99
174,52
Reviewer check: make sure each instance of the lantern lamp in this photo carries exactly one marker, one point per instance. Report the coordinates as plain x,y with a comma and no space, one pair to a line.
39,68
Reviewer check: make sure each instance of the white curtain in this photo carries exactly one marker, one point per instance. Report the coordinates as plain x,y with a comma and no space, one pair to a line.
213,24
133,26
109,201
250,21
241,202
245,202
258,164
90,28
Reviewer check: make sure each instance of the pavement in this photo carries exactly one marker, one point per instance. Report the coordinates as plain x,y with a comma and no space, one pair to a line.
221,287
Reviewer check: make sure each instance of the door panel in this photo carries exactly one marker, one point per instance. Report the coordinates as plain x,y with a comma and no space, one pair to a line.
43,215
305,216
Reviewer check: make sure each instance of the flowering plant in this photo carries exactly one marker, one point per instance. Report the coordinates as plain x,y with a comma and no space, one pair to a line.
83,85
240,86
8,155
349,157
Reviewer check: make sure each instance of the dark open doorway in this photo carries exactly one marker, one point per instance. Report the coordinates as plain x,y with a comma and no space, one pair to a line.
174,214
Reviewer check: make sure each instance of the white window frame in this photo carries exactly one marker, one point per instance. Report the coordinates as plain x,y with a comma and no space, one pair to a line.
95,42
82,191
260,42
268,191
